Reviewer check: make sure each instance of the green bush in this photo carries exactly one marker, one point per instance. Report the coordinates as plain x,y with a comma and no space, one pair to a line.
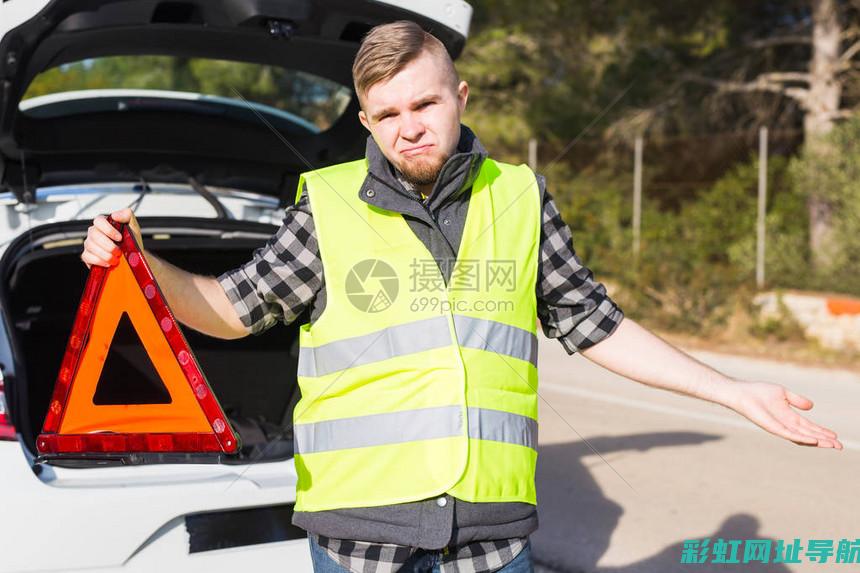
694,264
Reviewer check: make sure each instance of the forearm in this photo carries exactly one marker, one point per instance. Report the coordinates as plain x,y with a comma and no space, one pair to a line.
636,353
197,301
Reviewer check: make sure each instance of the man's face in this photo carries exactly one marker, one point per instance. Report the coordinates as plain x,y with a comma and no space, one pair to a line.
414,117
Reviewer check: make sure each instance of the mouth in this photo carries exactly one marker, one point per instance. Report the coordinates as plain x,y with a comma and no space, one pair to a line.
417,150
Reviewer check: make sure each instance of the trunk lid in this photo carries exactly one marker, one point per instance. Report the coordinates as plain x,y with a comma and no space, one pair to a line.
242,93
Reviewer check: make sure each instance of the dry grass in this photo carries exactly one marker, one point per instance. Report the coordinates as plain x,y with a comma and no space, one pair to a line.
738,337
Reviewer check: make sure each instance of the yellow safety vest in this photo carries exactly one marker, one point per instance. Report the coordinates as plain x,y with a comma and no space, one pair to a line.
412,388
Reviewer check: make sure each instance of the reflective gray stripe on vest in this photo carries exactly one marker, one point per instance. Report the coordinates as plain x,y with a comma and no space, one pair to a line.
499,426
496,337
382,344
412,425
417,336
379,429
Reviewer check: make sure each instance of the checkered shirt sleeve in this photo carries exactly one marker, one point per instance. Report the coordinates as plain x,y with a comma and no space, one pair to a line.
572,306
282,277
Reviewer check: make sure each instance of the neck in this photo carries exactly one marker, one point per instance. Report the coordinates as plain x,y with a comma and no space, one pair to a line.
425,190
421,190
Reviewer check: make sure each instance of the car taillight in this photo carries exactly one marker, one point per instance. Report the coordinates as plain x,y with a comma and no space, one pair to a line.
7,430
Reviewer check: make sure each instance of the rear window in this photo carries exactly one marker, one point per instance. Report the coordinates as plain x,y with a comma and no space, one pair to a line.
311,100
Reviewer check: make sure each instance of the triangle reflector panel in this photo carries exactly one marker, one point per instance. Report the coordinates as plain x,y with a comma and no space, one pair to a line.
128,382
128,375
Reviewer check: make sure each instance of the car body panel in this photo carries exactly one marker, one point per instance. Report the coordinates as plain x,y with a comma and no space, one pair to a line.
83,203
14,13
110,516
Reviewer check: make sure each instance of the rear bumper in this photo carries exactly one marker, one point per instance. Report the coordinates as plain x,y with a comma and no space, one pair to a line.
170,552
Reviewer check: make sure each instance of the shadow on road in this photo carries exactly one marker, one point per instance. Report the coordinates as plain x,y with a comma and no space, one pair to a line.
577,521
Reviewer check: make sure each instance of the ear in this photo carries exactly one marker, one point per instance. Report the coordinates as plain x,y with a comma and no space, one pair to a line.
362,117
462,95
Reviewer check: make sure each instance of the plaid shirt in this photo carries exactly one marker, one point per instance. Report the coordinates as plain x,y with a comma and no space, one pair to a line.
474,557
284,277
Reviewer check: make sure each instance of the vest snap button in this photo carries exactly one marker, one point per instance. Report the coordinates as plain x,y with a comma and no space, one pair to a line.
370,193
446,222
441,501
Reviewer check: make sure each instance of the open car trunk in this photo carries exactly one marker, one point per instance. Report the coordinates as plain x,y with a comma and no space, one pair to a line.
212,133
254,378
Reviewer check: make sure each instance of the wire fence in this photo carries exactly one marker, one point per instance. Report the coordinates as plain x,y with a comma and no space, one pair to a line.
666,173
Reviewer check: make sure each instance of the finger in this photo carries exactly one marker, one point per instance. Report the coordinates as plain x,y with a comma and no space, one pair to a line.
103,241
798,401
776,427
829,441
824,439
812,431
101,223
808,424
91,260
799,439
98,252
827,437
787,416
122,216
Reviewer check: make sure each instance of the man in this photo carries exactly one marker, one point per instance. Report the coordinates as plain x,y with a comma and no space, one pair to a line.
416,432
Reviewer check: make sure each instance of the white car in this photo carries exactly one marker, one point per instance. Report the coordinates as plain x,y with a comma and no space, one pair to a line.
200,114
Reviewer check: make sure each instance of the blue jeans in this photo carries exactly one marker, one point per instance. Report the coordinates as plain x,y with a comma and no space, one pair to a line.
421,561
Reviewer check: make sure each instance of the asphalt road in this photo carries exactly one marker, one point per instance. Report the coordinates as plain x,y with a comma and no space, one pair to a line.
626,472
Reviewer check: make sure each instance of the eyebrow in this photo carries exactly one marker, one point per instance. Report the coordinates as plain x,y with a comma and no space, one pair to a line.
423,99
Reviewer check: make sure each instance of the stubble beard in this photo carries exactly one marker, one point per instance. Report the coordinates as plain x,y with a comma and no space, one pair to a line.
422,171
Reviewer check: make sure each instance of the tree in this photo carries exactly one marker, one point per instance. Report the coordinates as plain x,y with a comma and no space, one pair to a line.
831,45
549,67
832,169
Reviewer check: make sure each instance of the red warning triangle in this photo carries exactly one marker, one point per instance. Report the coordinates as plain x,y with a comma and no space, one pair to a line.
124,342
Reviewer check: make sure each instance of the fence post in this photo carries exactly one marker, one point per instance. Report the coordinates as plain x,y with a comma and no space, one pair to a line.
637,195
762,206
533,153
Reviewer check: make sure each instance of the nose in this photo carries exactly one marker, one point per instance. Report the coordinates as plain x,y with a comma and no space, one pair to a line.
411,127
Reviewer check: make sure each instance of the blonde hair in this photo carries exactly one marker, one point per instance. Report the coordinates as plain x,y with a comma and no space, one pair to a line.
388,48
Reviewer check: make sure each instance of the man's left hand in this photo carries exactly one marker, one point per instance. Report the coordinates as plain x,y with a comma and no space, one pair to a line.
770,407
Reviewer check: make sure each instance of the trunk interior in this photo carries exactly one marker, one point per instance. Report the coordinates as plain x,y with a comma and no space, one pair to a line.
253,377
